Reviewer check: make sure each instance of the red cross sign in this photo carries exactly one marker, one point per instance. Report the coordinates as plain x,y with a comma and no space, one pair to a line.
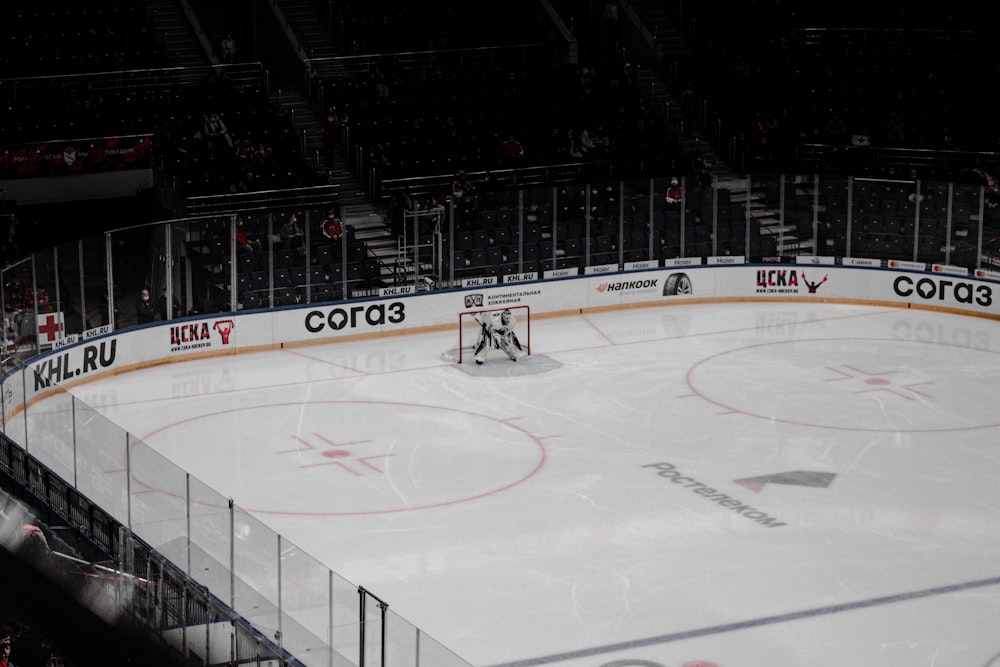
50,327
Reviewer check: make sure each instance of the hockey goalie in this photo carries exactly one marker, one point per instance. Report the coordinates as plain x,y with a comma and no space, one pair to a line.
496,332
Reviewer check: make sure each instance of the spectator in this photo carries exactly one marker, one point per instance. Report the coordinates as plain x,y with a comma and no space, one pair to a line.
379,157
162,309
947,140
602,143
895,129
689,107
556,146
244,148
41,299
228,49
674,195
585,144
332,227
145,310
291,233
702,167
34,649
6,639
262,155
243,241
511,149
33,544
380,84
216,133
836,130
247,182
461,185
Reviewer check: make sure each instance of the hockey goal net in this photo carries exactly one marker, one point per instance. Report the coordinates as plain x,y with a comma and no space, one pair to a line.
464,347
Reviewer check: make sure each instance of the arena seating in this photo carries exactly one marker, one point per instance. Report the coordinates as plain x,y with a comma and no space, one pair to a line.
82,37
821,73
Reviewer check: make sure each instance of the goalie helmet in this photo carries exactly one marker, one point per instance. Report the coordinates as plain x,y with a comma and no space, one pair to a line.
505,316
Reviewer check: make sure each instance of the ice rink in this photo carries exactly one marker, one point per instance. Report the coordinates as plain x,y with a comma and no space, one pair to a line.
738,485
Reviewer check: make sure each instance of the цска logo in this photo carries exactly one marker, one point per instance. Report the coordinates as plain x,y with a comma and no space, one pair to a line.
786,281
194,335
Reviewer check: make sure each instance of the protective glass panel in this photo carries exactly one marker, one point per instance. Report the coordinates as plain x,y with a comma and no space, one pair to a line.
967,236
408,645
49,420
81,282
211,540
256,570
131,273
158,497
345,628
13,376
20,331
305,604
101,460
209,267
638,198
834,215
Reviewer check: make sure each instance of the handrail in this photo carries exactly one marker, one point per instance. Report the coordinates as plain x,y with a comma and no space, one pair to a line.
468,57
862,160
318,195
136,77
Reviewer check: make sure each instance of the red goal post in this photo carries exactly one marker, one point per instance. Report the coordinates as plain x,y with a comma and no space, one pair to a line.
468,331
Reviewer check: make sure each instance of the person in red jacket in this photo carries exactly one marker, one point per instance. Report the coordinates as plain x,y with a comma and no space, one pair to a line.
6,639
511,148
332,228
674,194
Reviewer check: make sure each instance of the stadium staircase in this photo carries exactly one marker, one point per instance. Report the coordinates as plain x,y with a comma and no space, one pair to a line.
783,215
307,33
656,42
187,44
180,33
660,42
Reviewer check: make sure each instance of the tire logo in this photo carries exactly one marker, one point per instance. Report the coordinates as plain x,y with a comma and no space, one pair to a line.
677,283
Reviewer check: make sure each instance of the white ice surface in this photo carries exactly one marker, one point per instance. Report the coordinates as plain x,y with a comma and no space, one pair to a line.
560,510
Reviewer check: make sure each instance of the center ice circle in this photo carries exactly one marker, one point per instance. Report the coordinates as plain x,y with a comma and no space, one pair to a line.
859,384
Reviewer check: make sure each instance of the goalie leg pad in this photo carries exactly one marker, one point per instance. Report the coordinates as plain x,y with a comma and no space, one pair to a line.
508,349
484,339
